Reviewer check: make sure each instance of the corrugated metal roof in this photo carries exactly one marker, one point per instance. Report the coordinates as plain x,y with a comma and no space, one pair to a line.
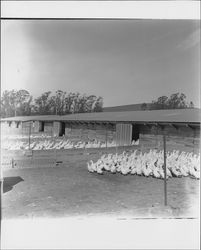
32,118
128,107
171,116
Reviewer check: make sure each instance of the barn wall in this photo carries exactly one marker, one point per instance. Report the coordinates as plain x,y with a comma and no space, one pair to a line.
184,136
48,127
90,132
26,126
11,128
57,129
36,126
16,128
181,131
98,131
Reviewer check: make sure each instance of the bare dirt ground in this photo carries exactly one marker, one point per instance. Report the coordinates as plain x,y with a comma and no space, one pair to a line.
56,183
70,190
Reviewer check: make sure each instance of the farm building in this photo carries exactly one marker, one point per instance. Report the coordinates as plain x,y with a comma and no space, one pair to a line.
121,127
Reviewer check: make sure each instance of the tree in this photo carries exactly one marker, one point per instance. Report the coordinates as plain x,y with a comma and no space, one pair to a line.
15,103
20,103
82,106
177,100
57,103
91,102
191,105
162,102
98,105
75,103
144,106
43,104
69,103
23,102
7,103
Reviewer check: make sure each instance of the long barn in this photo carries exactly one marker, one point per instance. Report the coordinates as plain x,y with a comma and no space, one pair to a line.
122,127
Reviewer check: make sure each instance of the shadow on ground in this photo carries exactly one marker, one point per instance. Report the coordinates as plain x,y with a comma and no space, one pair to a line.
10,182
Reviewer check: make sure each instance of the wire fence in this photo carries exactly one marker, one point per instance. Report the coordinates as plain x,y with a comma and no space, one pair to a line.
19,145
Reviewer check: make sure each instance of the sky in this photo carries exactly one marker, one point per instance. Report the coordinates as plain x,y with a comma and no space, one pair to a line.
124,61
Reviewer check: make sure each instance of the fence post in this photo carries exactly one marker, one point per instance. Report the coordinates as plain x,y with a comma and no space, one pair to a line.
165,170
194,134
116,137
106,137
1,182
29,134
157,146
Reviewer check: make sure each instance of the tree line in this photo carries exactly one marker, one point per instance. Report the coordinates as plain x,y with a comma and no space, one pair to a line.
175,101
21,103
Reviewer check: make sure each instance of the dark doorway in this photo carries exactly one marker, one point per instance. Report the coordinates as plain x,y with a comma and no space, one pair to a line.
62,129
41,126
135,132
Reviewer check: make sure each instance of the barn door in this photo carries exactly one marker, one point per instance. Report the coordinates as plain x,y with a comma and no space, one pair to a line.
41,126
123,134
62,129
135,132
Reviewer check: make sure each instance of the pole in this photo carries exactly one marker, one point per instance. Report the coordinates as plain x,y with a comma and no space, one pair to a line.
116,138
194,141
29,134
157,146
106,137
165,171
1,187
116,143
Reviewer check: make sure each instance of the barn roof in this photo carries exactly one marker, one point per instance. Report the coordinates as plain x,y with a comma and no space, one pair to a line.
188,116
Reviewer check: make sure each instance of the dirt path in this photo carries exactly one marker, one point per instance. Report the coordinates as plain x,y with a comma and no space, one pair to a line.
70,190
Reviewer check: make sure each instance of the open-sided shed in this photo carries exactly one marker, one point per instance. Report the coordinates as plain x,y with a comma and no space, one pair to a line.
122,127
